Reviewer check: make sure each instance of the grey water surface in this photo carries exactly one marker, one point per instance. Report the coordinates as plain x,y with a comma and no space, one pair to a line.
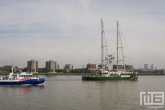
69,92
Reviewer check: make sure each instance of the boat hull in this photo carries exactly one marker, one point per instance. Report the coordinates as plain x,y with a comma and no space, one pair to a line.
121,77
22,82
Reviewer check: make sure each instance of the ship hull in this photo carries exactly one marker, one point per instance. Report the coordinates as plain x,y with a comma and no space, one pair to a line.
121,77
24,82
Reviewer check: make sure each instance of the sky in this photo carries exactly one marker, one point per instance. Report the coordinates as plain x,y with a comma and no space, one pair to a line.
68,31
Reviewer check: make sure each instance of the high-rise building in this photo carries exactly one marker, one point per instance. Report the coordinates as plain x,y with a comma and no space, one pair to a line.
32,66
152,67
145,66
51,66
68,67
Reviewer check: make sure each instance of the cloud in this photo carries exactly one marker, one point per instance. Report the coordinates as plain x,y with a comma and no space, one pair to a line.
65,31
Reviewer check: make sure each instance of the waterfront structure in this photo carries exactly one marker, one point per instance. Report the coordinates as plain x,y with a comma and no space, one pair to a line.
57,66
103,66
68,67
152,67
121,67
51,66
91,67
32,66
145,66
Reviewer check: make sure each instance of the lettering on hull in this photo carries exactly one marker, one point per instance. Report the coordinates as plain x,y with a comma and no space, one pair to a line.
123,76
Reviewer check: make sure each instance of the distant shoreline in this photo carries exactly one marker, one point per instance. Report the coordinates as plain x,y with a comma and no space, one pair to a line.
63,73
54,73
140,74
151,74
82,74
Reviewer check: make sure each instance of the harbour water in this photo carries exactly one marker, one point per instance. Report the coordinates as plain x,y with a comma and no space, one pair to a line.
69,92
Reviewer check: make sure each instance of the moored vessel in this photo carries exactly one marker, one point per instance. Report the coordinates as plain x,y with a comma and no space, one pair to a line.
105,72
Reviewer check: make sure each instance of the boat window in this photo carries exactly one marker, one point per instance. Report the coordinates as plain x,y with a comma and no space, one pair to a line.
105,73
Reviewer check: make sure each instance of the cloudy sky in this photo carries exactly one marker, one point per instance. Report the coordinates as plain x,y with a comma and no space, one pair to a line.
68,31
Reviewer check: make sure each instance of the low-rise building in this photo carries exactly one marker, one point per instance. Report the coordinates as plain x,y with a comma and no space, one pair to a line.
121,67
68,67
91,68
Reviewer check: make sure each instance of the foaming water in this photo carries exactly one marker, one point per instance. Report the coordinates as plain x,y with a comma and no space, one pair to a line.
71,93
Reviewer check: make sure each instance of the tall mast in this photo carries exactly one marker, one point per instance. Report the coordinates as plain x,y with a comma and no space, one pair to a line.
122,53
102,43
117,45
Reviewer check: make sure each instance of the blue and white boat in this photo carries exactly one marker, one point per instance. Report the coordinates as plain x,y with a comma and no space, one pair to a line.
21,79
